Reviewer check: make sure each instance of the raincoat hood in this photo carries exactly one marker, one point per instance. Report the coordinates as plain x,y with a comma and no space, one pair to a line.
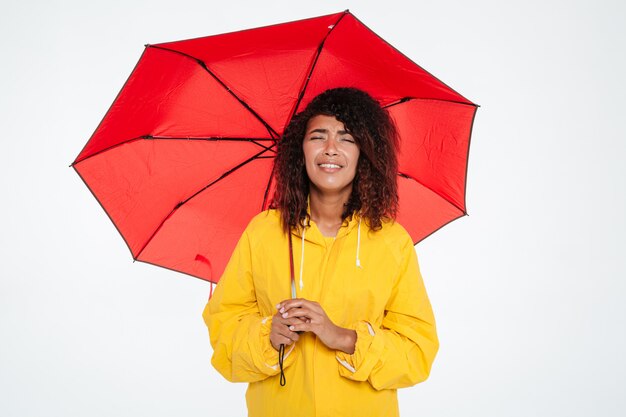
314,235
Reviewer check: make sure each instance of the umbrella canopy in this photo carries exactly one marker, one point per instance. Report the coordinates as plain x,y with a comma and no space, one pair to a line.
183,158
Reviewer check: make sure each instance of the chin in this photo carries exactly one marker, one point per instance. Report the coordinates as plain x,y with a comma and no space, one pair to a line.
333,188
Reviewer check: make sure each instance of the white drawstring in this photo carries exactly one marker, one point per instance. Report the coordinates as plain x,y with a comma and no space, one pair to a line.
358,244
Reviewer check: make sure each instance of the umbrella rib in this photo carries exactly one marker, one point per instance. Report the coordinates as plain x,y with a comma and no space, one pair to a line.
403,175
110,107
409,59
317,55
217,139
405,99
208,139
200,62
181,203
463,214
177,270
105,210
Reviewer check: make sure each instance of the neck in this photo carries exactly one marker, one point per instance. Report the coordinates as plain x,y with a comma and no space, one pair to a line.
326,209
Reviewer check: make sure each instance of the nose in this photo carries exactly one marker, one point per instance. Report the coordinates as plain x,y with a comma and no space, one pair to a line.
331,149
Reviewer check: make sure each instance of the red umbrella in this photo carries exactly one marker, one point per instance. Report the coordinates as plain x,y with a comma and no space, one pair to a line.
183,158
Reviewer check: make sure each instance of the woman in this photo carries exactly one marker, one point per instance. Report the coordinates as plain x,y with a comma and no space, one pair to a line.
358,324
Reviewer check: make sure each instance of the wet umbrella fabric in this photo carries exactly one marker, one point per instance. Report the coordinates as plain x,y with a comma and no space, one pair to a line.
183,158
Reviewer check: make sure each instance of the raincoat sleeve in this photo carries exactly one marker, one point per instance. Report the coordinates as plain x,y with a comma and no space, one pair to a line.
242,351
399,353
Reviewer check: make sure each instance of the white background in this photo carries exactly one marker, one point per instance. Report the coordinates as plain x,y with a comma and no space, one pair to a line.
528,290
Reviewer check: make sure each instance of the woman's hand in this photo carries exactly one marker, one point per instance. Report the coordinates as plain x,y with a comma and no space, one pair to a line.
312,318
280,333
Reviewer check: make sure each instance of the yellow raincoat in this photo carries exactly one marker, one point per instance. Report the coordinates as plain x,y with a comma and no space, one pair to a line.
383,299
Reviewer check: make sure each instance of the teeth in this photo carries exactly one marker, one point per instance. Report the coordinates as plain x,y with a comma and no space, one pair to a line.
330,166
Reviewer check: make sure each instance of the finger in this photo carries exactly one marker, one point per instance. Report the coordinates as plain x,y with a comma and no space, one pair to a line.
284,328
302,313
292,336
282,303
292,303
302,303
287,301
294,320
284,331
281,340
301,327
286,321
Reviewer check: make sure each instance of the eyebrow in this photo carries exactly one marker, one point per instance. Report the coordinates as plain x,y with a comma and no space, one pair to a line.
341,132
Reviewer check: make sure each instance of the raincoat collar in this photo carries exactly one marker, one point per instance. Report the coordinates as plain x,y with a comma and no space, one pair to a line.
313,233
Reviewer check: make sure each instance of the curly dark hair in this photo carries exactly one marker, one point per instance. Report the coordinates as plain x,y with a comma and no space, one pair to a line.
374,189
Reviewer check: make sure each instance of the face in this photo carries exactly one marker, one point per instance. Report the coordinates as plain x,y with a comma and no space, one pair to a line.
331,155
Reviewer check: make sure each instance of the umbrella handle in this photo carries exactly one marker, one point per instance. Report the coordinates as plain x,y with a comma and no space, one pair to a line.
281,349
281,357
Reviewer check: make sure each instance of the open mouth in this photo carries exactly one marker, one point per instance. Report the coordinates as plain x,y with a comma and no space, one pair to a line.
331,166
